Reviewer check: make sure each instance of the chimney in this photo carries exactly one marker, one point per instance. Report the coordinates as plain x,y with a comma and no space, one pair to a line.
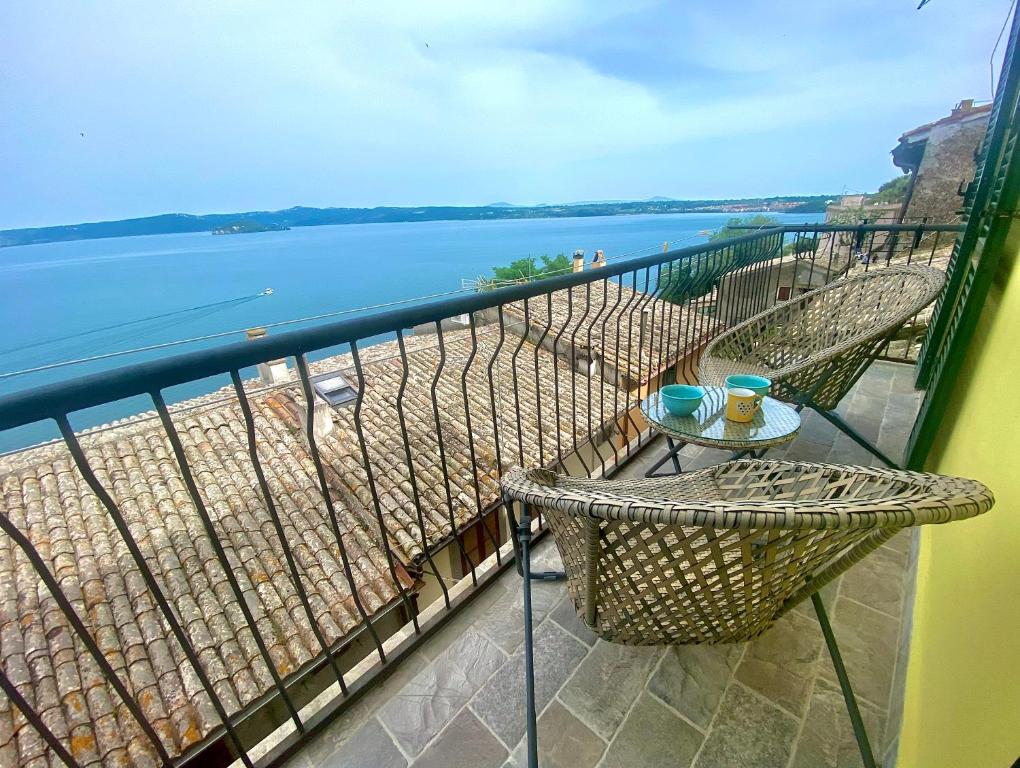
271,371
322,419
578,260
599,260
965,105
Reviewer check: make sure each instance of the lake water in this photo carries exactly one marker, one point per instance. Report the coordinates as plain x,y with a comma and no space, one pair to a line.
56,290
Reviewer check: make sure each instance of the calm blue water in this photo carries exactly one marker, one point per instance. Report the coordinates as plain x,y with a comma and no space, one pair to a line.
57,289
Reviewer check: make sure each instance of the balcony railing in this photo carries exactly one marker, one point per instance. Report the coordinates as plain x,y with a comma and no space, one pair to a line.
179,585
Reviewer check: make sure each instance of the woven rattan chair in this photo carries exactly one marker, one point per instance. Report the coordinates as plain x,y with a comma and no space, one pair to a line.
815,347
718,555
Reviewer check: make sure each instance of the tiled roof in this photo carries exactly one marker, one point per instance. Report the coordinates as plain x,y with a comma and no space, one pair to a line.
605,316
46,498
958,115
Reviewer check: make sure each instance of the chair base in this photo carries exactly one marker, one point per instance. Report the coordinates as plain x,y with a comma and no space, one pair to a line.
860,733
521,533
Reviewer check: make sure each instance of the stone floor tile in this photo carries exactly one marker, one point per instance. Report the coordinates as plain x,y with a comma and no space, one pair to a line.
827,738
846,451
749,732
868,643
464,743
423,707
828,592
607,682
802,449
356,715
879,581
693,678
503,623
563,742
781,664
455,628
815,428
500,702
652,735
369,747
566,616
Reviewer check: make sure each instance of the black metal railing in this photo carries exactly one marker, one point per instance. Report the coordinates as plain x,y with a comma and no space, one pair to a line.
241,553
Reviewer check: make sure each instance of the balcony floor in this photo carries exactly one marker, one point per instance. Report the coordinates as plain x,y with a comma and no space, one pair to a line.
458,701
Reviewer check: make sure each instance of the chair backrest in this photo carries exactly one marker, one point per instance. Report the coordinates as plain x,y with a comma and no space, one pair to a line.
822,341
718,555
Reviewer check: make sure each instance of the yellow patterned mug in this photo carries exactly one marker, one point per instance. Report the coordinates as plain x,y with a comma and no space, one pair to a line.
741,404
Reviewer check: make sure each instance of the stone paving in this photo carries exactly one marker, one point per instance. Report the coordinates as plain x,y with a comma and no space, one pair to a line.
774,702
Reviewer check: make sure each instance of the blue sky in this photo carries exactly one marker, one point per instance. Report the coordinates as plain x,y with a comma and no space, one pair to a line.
229,106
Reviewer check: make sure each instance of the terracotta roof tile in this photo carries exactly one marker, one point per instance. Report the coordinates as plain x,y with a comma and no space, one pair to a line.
606,317
45,496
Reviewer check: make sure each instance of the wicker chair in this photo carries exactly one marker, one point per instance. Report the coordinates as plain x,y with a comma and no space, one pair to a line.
816,346
717,555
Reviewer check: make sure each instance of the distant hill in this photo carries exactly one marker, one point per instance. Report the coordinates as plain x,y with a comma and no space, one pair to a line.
170,223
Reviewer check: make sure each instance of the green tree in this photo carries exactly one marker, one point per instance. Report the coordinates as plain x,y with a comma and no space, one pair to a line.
893,191
688,279
527,269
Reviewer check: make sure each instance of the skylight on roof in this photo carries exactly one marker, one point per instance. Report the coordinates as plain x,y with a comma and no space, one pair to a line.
334,388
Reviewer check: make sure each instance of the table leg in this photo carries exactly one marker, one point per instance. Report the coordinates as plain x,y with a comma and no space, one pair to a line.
671,454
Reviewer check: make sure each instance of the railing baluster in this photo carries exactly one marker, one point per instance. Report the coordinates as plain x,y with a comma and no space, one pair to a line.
411,474
370,476
581,321
442,452
221,554
82,633
274,515
313,449
471,436
602,366
170,616
517,392
538,383
556,368
496,409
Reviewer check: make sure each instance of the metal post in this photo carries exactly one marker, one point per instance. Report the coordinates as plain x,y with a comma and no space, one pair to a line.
844,683
524,538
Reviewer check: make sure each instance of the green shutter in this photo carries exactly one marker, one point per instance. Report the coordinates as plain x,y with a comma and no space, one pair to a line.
975,259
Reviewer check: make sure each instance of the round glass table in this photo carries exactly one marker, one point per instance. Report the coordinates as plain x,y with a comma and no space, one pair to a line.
775,423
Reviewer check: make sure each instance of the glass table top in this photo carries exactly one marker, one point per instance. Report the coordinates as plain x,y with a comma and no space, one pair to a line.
775,423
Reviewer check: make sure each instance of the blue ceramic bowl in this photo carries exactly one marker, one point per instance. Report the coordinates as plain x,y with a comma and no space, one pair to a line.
757,384
681,399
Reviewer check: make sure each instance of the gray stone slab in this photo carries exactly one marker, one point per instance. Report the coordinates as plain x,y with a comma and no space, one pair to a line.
827,738
693,678
334,735
424,706
464,743
749,732
503,623
607,683
878,581
867,641
563,742
653,736
501,702
816,429
566,616
455,628
370,746
828,592
802,449
781,665
846,451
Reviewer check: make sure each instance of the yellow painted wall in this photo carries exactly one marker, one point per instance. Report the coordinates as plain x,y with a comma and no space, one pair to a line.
962,703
